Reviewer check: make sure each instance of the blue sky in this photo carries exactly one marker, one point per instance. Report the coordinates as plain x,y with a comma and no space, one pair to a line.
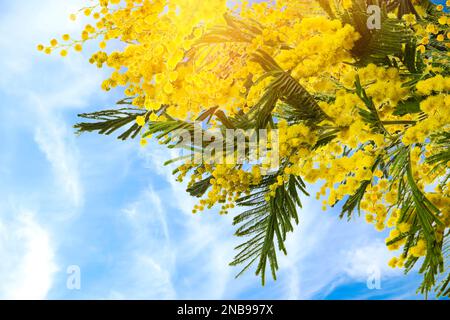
110,208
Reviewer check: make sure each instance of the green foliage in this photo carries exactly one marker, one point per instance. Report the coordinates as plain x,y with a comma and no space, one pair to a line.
299,105
443,290
108,122
370,115
267,223
377,45
354,202
441,158
236,30
418,209
403,7
410,106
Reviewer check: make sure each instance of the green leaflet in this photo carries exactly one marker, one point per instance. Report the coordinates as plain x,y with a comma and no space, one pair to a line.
267,224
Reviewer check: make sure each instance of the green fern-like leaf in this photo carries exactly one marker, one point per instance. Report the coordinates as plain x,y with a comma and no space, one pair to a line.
108,122
267,223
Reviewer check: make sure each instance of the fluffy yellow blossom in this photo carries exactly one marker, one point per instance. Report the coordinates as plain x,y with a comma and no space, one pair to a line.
367,129
144,142
140,120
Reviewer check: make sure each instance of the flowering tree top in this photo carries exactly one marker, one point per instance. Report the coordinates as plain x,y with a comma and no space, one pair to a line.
267,97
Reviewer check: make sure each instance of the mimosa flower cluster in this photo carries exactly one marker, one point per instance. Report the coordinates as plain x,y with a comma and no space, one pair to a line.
378,131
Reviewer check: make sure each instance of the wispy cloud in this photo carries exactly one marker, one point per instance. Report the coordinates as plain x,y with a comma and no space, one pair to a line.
360,260
149,257
56,142
35,93
28,258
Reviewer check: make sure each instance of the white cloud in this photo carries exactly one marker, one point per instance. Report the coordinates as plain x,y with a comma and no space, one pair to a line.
305,240
144,270
23,26
172,254
325,253
28,259
41,99
372,256
56,142
33,108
